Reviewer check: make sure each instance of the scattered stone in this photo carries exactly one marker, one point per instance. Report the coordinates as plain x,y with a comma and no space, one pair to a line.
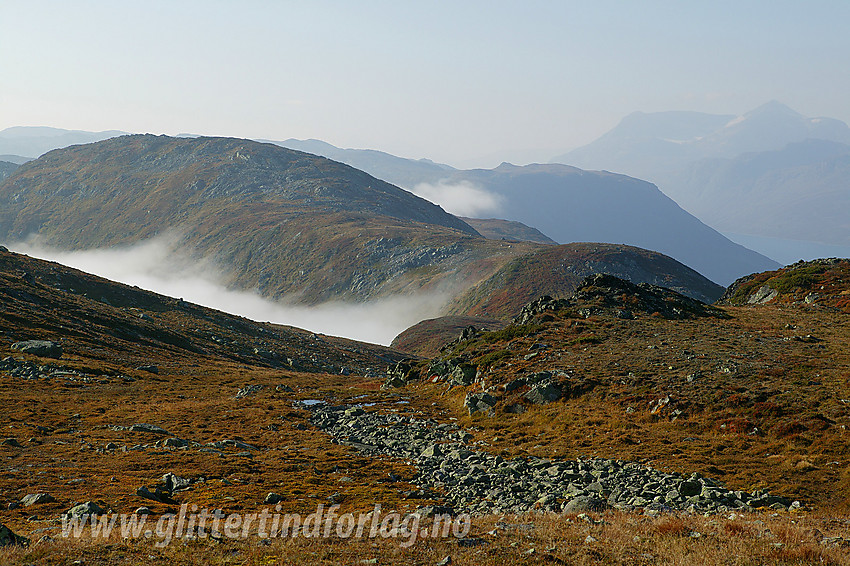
175,442
13,442
247,390
444,562
272,498
40,348
471,542
143,427
142,511
173,482
481,402
543,393
158,494
284,389
690,488
149,368
37,498
478,482
83,509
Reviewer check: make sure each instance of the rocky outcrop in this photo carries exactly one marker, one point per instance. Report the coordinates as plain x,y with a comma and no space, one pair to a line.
40,348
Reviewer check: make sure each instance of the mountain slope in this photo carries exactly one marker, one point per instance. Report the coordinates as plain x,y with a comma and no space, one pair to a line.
799,192
125,326
558,270
6,169
280,221
497,229
400,171
569,205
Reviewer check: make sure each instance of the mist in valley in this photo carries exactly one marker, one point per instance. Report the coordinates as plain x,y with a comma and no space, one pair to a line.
158,265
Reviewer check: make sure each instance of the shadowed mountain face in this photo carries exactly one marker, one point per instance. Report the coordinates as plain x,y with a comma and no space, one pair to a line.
798,192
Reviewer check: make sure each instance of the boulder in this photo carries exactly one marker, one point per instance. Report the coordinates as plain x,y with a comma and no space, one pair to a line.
544,392
479,403
40,348
37,498
83,509
584,503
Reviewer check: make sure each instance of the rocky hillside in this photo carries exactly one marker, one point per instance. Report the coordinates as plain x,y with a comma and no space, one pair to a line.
627,371
558,270
821,283
127,327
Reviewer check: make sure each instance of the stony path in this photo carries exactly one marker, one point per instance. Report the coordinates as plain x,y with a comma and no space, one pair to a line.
477,482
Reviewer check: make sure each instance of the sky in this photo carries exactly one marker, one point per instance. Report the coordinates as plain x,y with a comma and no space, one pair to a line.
470,83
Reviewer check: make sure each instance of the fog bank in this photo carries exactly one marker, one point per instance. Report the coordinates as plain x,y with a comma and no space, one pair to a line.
156,265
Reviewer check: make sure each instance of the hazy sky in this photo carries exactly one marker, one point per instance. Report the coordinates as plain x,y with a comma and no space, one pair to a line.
463,82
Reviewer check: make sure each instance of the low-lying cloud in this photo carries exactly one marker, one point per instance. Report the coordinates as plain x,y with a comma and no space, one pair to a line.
460,199
157,265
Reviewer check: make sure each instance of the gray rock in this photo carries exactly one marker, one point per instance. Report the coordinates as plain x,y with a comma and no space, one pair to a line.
149,368
764,295
444,562
144,427
690,488
83,509
433,451
142,511
544,392
479,403
272,498
37,498
463,374
175,442
40,348
173,482
13,442
248,390
583,504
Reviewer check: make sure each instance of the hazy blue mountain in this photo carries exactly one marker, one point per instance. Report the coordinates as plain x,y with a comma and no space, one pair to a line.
572,205
33,141
650,145
396,170
801,192
16,159
770,173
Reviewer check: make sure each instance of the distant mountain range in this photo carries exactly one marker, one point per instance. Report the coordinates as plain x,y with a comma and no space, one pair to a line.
564,203
771,172
29,142
570,205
